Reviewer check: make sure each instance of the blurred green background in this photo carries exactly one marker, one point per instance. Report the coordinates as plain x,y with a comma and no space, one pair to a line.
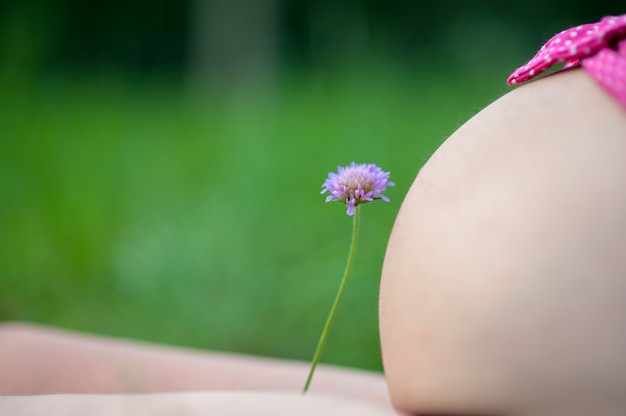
161,162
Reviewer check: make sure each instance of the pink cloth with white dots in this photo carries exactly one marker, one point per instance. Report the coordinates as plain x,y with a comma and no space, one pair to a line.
600,48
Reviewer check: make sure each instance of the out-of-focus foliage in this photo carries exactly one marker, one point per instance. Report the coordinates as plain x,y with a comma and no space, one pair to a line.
139,35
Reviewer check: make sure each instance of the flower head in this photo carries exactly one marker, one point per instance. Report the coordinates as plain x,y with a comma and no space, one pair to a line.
356,184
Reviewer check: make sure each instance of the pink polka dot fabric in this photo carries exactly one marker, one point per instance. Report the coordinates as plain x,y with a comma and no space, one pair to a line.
600,48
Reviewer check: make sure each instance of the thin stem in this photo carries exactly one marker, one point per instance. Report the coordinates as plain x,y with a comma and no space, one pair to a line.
333,310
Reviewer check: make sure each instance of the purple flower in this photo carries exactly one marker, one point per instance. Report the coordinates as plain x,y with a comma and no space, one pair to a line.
357,184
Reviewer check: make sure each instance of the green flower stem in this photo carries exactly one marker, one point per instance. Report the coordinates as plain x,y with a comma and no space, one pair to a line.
333,310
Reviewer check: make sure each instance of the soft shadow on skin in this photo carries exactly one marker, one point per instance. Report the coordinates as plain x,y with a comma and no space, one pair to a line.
458,414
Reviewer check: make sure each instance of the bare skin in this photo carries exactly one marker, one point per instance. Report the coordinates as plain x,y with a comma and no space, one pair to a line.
223,403
43,360
504,283
77,369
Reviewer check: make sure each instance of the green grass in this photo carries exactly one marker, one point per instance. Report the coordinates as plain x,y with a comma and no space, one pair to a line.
126,209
